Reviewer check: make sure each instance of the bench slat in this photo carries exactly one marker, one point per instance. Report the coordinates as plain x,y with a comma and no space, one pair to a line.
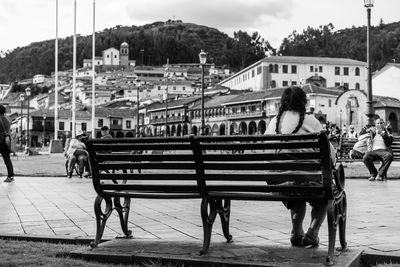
269,178
301,166
148,176
255,146
144,157
163,188
152,195
147,165
140,146
264,196
266,188
261,156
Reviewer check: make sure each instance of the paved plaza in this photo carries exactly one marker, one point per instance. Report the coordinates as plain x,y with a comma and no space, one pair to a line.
60,207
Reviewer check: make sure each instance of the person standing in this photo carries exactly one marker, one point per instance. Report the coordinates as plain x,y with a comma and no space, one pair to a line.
352,133
382,140
6,144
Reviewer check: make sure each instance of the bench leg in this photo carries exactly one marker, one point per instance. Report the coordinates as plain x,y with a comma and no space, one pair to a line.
208,218
332,225
224,210
101,217
342,221
123,212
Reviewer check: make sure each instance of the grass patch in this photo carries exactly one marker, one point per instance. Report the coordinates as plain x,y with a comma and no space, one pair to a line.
28,253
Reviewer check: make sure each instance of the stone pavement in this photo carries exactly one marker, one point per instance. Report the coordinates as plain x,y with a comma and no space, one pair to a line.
60,207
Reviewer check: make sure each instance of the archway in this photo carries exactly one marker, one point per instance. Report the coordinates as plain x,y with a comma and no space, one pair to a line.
129,134
262,126
168,131
393,122
215,130
222,129
120,135
179,130
112,134
194,130
207,130
252,128
173,130
233,129
185,129
242,128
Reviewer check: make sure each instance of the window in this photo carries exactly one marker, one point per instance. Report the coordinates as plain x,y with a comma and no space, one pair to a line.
337,84
357,71
128,124
108,56
243,109
100,123
115,56
159,88
84,126
346,71
70,126
273,84
259,70
253,73
320,68
294,83
284,83
311,68
330,102
174,88
276,68
183,88
61,126
114,122
337,70
358,86
285,68
294,69
270,68
346,85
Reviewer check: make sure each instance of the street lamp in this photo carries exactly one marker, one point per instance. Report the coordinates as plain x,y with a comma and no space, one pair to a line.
44,129
166,102
27,93
203,60
137,118
370,108
22,98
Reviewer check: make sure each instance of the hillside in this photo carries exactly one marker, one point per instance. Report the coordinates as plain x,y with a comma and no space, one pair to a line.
178,41
346,43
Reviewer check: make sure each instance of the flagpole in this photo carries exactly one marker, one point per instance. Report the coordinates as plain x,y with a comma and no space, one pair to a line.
93,70
74,78
56,79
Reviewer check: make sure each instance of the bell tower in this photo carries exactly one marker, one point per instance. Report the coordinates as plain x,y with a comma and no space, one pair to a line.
124,54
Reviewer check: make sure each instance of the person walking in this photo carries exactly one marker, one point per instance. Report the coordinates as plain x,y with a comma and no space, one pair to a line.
5,144
382,140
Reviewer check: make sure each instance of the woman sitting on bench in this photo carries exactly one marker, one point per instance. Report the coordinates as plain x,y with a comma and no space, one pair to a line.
292,118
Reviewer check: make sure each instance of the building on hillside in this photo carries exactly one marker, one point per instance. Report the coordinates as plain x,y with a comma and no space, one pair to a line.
386,81
112,57
283,71
38,78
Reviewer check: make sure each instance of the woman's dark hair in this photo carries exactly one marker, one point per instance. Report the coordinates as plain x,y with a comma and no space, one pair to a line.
293,99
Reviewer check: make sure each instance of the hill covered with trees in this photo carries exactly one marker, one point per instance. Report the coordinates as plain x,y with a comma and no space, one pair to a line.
182,42
346,43
178,41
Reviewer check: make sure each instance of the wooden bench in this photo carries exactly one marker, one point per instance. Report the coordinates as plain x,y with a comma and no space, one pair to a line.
271,168
346,144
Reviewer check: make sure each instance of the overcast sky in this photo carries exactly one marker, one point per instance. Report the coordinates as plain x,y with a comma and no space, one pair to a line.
26,21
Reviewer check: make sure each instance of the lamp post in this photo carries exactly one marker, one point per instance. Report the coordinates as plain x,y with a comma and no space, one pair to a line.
44,128
166,102
27,93
137,117
22,98
203,60
370,108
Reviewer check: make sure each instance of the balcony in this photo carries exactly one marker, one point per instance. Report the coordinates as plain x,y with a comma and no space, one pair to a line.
171,119
243,115
116,127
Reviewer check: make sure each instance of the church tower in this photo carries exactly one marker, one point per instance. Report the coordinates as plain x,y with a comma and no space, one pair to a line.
124,54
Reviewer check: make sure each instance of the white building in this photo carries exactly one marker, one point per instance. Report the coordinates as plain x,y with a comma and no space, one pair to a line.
283,71
111,57
386,81
38,78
